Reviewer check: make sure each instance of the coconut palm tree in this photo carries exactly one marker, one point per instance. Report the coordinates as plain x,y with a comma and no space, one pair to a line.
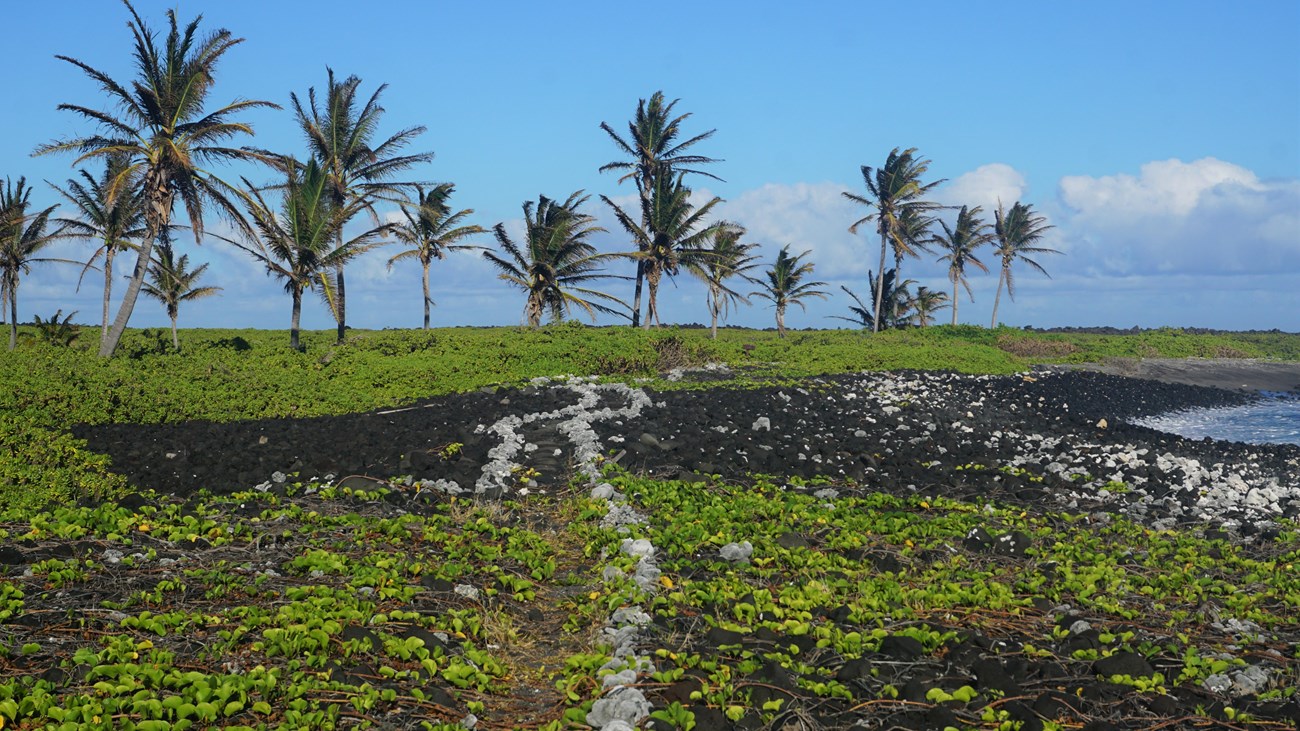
654,152
171,282
921,306
113,219
431,229
961,240
1018,231
555,260
897,195
342,139
299,239
895,302
785,284
22,236
726,258
676,235
160,123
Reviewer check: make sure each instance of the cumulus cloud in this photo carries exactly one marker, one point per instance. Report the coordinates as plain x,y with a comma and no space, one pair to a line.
812,216
1201,217
984,186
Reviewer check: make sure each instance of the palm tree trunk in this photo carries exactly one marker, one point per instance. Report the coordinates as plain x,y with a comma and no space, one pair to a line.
425,281
12,291
295,318
780,321
176,343
651,305
108,291
713,310
636,295
159,215
109,345
342,302
533,311
954,301
997,297
880,281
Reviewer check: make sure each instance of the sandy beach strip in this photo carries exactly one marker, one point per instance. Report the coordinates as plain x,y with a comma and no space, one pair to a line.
1229,373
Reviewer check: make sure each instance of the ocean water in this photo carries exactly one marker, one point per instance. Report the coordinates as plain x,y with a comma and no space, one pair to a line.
1273,420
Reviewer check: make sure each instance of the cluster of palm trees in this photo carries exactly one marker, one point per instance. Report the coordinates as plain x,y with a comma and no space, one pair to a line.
158,138
905,221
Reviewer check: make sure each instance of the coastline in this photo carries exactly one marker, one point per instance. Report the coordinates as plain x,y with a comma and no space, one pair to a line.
1234,374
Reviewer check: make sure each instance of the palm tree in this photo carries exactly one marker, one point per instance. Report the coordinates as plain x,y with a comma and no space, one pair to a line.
674,237
1017,230
115,220
299,239
895,302
171,283
22,237
785,285
920,307
896,193
342,140
555,260
655,152
726,258
431,229
914,237
960,241
161,126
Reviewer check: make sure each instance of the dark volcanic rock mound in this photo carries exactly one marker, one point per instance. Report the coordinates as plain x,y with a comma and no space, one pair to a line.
1026,438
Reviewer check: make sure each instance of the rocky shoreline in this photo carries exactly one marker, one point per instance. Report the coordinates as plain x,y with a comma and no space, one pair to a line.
1059,437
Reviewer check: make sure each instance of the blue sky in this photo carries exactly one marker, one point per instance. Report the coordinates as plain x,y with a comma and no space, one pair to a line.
1162,139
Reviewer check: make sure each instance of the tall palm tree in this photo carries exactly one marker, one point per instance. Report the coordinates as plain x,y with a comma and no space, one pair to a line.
555,260
22,236
431,229
1018,231
726,258
342,138
299,239
785,284
961,240
171,282
655,152
897,195
161,126
114,220
676,235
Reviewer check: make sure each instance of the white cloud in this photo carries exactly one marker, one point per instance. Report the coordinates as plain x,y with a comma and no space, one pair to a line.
984,186
1202,217
812,216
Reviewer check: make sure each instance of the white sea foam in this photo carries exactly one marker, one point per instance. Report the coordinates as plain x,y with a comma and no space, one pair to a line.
1269,421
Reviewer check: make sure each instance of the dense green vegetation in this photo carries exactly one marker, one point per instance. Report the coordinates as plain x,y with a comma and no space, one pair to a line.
244,374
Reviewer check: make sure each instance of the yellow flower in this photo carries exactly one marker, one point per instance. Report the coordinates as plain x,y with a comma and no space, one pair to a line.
666,582
594,595
144,528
